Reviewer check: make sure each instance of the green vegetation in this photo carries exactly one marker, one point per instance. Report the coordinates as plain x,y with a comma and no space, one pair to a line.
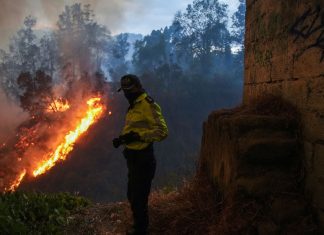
37,213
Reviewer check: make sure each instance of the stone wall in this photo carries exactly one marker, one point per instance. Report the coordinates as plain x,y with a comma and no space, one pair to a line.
255,159
285,56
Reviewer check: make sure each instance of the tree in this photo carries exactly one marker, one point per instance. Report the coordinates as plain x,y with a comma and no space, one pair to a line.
48,53
83,43
238,34
201,34
151,52
37,93
118,65
24,48
8,74
238,25
23,55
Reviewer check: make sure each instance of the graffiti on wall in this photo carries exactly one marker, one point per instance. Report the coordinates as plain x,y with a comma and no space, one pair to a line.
310,24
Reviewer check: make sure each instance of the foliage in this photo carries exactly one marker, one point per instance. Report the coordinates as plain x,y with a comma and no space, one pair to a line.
118,63
198,42
37,93
82,42
37,213
23,56
202,34
151,52
24,46
238,26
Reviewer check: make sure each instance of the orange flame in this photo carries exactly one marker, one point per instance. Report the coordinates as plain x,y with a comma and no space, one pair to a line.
94,112
95,109
58,105
17,182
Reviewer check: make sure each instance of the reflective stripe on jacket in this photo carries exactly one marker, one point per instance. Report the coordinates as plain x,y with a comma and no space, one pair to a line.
145,118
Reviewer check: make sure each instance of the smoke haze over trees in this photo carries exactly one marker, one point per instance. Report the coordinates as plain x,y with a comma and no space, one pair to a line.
191,67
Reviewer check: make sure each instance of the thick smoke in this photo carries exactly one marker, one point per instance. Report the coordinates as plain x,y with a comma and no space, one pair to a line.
12,14
109,13
11,117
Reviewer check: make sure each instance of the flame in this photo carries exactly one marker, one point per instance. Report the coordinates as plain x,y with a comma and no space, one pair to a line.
95,109
94,112
17,182
58,105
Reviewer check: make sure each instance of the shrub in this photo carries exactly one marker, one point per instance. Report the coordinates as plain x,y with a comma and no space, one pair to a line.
37,213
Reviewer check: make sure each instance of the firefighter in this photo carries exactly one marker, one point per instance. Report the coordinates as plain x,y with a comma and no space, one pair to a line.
144,125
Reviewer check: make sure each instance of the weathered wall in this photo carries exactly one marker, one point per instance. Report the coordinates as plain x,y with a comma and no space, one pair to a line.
256,156
285,56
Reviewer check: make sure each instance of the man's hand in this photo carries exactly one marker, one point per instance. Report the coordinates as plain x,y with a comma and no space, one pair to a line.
130,137
117,142
126,139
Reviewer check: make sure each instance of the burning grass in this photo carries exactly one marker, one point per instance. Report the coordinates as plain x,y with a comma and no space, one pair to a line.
46,152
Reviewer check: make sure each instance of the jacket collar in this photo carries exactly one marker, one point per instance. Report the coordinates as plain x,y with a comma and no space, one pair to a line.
140,98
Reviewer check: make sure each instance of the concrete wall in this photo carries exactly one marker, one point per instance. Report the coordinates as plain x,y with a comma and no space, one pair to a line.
285,56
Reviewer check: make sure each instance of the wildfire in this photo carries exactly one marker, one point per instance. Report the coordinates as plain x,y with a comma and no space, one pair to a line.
93,113
95,109
58,105
16,183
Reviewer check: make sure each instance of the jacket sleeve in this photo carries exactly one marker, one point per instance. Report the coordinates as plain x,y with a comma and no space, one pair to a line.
158,129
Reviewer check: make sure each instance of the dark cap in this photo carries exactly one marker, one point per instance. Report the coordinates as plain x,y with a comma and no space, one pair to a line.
129,81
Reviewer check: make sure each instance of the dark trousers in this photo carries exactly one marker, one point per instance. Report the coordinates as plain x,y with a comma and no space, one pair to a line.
141,166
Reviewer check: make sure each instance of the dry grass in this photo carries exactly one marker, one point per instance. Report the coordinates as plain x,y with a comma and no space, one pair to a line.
190,210
196,209
199,209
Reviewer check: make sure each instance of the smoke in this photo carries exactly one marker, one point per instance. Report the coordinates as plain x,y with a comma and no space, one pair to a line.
11,117
11,16
109,13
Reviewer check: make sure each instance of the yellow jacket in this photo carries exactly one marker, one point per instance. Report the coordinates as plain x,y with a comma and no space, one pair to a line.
145,118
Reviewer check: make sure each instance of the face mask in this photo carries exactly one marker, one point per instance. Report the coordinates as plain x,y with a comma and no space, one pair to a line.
132,96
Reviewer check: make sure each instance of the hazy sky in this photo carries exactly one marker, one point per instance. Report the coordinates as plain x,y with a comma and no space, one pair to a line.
136,16
159,13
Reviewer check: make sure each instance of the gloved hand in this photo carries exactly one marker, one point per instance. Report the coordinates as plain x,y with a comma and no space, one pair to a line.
130,137
117,142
